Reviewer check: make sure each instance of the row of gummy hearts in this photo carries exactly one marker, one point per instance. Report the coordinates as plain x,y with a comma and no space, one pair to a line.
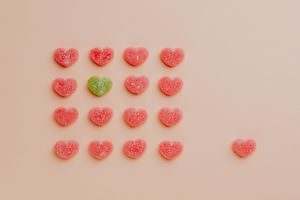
134,149
99,86
133,117
134,56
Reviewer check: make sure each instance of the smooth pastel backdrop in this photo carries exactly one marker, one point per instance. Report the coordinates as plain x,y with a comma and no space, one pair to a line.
241,77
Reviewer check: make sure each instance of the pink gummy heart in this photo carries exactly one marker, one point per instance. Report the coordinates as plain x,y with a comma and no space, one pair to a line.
101,56
65,116
66,58
170,117
100,116
170,87
170,149
134,117
172,57
135,56
64,87
136,85
243,148
134,148
100,149
66,149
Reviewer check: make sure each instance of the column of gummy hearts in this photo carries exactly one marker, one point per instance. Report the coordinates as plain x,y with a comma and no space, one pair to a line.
65,87
169,117
136,85
100,116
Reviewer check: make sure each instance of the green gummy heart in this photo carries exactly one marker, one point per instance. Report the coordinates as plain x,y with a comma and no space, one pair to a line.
99,86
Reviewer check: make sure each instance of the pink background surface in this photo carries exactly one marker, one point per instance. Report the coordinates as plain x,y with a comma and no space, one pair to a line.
241,77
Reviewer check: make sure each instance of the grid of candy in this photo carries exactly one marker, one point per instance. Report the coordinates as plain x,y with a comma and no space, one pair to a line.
133,117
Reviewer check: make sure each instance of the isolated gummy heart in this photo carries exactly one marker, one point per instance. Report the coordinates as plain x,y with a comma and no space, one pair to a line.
64,87
100,56
170,117
134,148
65,58
136,85
243,148
134,117
66,149
100,149
172,57
170,149
135,56
65,116
99,86
170,87
100,116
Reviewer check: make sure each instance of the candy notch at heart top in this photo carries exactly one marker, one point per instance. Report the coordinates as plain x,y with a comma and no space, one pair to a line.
243,148
135,56
65,58
66,149
65,116
169,86
101,56
169,150
172,57
136,85
64,87
100,149
99,86
134,149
